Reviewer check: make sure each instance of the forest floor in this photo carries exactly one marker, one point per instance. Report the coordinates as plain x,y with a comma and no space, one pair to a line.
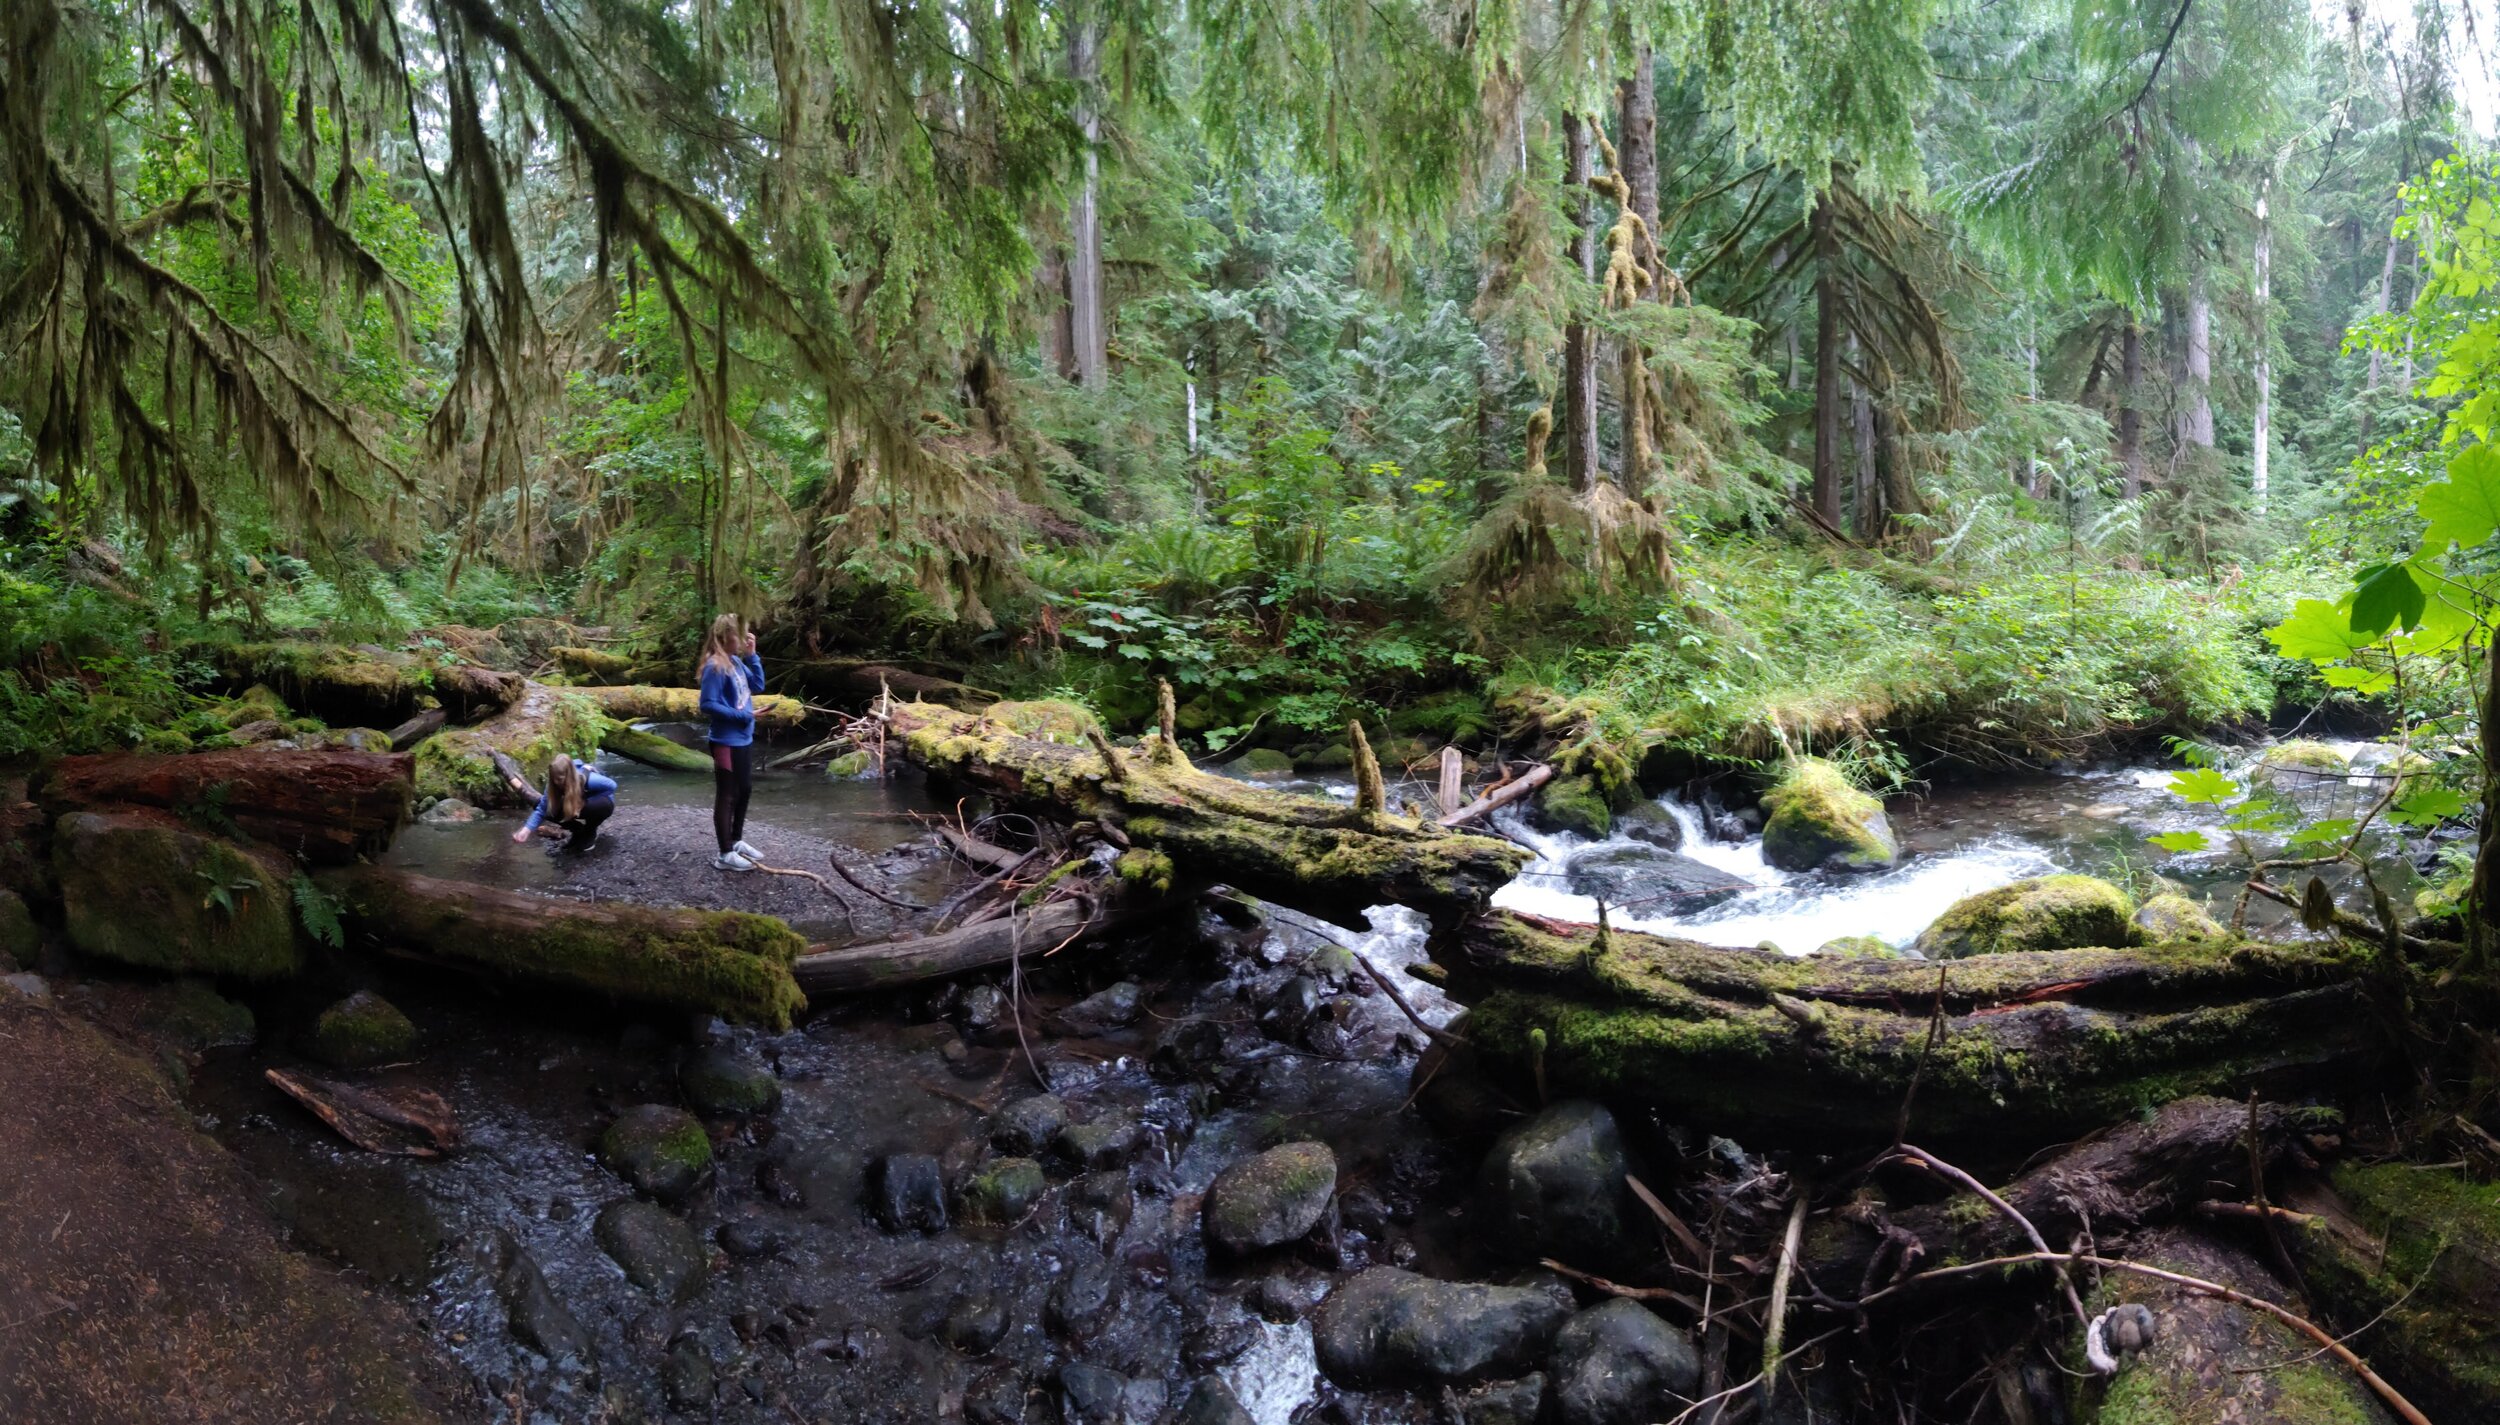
141,1277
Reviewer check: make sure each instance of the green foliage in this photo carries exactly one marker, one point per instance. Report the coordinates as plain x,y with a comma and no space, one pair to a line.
318,912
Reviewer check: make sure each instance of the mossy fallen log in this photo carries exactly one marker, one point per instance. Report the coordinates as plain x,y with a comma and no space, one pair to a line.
651,749
323,807
1317,856
544,721
648,702
1823,1051
363,686
728,963
855,682
2411,1255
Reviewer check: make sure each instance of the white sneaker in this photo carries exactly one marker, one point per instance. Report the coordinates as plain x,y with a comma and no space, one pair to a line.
749,852
731,861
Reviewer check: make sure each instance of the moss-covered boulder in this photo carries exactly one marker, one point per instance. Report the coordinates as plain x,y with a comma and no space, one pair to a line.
724,1083
1260,762
1577,805
1002,1192
2172,916
361,1031
1869,946
661,1150
2041,913
1271,1198
194,1016
2413,1254
545,721
2298,766
1332,757
21,940
144,889
844,766
1815,818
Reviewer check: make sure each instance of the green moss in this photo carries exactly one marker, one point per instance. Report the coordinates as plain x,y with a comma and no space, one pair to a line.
1817,818
457,763
2042,913
1874,945
2171,916
1148,870
650,748
151,892
1003,1192
1576,804
21,940
1045,720
361,1031
1335,757
2310,756
847,765
164,741
2421,1255
195,1016
1458,716
1260,762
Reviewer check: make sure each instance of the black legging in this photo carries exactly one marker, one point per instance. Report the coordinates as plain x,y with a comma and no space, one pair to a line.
732,787
584,829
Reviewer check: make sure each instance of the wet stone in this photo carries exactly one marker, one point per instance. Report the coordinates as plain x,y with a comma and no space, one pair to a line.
1555,1185
1100,1204
1105,1143
996,1397
1296,1001
907,1192
975,1322
1389,1326
540,1321
1613,1363
1285,1298
1027,1126
1115,1008
1212,1402
1507,1402
1090,1395
661,1150
1217,1342
824,1180
1003,1191
720,1082
686,1375
987,1013
361,1031
1271,1198
746,1239
195,1016
1083,1296
659,1253
1662,882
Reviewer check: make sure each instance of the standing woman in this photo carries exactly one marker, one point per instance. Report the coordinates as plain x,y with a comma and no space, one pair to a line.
731,675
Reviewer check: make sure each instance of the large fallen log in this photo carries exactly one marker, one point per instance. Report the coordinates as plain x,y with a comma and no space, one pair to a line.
1824,1050
2410,1254
363,686
323,807
1318,856
1031,934
647,702
544,721
721,962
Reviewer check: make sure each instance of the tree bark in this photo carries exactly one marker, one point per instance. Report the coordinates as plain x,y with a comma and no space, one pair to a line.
1578,406
1089,331
1637,123
2130,419
1828,395
1050,289
327,808
855,969
1866,516
2193,373
1822,1051
1315,856
2262,422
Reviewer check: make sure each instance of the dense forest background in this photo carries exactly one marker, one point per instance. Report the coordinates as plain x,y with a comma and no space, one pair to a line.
1928,384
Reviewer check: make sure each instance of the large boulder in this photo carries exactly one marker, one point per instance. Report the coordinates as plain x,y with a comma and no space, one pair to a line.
659,1253
1390,1327
1817,818
2042,913
1650,823
359,1032
1660,882
2300,766
1618,1364
659,1149
2171,916
1555,1185
1576,805
1270,1199
143,889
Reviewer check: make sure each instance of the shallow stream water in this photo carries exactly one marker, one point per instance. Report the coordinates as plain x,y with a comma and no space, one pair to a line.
1249,1036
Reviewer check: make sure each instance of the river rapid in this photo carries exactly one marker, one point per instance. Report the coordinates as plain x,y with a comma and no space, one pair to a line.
1242,1035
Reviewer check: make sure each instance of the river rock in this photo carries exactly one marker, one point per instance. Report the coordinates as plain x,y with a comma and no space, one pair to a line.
719,1081
995,1397
1555,1185
1260,762
1212,1402
659,1253
988,1014
1271,1198
1390,1327
659,1148
686,1375
143,889
1505,1402
2171,916
1102,1144
823,1178
1115,1008
197,1017
1660,882
1651,824
1873,947
2300,766
1575,805
1003,1191
907,1193
1615,1364
1027,1126
746,1239
449,811
975,1322
1083,1296
1101,1204
1090,1395
361,1031
2041,913
21,941
539,1320
1816,818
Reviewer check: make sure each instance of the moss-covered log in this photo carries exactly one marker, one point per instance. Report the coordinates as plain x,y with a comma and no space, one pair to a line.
651,749
545,721
1823,1050
362,686
2411,1254
647,702
323,807
1318,856
852,682
727,963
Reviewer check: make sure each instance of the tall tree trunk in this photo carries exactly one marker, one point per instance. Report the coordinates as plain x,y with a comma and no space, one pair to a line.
1050,283
1637,103
2192,373
1089,335
1827,390
1579,403
2378,359
2263,422
2130,420
1865,520
2484,890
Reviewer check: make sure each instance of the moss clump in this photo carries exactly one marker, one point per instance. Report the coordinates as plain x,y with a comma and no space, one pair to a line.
1044,720
1147,870
1867,945
1334,757
1817,818
2042,913
145,890
195,1016
1003,1192
2298,766
2419,1254
361,1031
1260,762
846,766
1575,804
593,665
661,1150
2171,916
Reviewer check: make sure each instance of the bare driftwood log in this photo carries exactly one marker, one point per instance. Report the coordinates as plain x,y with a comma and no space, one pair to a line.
856,968
1824,1050
402,1122
324,807
1501,796
1318,856
722,962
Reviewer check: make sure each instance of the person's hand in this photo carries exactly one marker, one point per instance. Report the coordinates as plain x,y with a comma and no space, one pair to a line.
520,836
750,648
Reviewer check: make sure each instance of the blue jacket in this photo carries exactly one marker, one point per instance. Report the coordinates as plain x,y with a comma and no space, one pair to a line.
729,701
594,784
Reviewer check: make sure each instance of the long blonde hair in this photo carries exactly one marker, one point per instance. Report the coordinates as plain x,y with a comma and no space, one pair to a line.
565,787
723,645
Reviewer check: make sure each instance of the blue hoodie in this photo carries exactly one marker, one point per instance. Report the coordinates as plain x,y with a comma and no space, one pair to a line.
594,784
729,701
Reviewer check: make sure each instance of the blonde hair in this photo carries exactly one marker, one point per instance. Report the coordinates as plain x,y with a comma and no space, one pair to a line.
723,644
566,787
